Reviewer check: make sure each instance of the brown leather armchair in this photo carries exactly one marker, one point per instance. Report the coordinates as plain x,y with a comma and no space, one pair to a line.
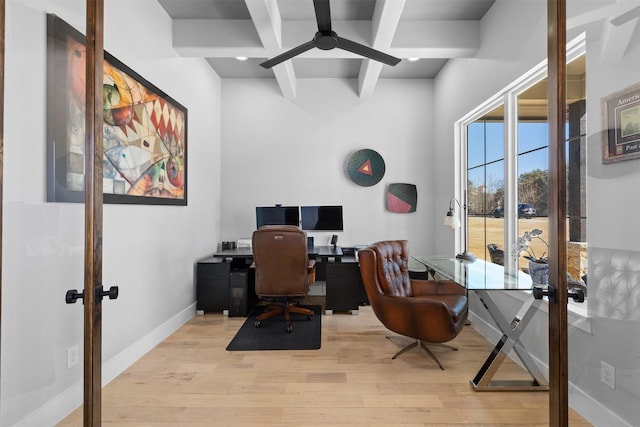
430,311
282,269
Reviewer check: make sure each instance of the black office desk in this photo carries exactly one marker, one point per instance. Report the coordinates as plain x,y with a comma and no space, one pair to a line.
315,251
219,273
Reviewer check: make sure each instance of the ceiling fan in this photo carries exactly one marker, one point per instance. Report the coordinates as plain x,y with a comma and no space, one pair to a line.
326,39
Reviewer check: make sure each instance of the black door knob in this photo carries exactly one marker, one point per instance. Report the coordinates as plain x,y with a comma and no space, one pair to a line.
73,295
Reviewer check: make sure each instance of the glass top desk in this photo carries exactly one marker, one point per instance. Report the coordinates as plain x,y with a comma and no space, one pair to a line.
484,277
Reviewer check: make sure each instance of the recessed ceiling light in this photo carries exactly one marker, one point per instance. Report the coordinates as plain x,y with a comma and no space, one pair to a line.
412,59
241,58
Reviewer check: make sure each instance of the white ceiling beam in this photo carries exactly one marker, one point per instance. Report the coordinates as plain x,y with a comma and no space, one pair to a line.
616,39
614,11
228,38
386,16
267,21
463,35
266,18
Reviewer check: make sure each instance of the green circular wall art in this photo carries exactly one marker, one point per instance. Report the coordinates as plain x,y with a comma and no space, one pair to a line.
366,167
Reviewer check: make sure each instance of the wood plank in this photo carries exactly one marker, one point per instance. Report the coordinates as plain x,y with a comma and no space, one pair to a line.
557,113
191,380
92,388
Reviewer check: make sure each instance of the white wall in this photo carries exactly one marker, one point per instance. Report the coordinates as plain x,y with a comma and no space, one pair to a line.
148,251
513,41
295,152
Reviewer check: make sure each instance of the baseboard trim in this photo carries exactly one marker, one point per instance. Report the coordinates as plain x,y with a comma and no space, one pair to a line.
67,401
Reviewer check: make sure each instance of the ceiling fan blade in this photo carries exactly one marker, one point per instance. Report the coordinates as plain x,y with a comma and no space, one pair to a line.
288,54
323,15
366,51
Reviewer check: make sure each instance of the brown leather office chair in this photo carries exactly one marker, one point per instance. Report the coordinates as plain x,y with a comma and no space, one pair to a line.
282,269
430,311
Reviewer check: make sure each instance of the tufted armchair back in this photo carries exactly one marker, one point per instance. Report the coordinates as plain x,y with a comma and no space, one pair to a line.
393,267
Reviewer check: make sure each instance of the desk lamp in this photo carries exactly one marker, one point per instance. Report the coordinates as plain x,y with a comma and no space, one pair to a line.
452,221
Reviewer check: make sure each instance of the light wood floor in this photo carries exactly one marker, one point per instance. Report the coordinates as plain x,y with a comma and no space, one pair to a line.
191,380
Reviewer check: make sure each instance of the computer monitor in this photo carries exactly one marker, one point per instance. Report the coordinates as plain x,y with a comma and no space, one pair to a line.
322,218
277,215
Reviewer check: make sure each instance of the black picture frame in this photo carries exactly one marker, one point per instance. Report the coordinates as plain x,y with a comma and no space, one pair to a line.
145,130
621,125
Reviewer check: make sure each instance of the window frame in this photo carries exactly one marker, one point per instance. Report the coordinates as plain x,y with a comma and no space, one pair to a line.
508,98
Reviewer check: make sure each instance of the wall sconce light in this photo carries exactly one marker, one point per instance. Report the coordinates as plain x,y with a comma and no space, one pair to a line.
452,221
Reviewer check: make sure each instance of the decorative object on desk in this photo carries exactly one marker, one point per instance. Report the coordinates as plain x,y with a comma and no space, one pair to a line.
451,220
539,273
402,198
621,138
144,129
308,334
243,244
523,244
326,39
366,167
538,265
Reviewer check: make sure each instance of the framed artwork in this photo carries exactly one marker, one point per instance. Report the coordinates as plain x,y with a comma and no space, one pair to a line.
621,127
144,129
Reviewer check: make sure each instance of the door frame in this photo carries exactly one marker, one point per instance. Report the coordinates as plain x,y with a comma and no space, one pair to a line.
92,408
556,113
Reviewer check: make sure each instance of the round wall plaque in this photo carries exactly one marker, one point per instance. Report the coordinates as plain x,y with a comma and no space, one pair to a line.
366,167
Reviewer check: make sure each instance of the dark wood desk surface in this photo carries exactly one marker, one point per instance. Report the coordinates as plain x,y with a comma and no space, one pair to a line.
322,251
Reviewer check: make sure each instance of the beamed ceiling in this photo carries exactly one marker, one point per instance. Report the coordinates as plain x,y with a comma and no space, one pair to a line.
433,31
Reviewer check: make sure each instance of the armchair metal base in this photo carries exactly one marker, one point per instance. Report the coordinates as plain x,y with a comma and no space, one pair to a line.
421,344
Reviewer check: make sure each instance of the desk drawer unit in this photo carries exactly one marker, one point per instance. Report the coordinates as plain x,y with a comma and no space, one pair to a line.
344,287
212,285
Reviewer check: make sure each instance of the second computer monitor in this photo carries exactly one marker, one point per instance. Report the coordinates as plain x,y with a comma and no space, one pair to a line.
322,218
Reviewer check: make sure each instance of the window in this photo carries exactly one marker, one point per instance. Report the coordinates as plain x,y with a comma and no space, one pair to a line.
505,153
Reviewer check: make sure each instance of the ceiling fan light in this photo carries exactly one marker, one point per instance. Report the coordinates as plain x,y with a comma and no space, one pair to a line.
241,58
413,59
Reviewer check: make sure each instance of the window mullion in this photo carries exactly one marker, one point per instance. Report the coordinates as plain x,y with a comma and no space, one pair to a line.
510,177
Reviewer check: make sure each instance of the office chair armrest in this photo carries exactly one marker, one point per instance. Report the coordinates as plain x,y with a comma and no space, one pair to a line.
421,287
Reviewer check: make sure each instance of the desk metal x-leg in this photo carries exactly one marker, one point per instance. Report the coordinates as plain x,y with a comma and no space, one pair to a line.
510,340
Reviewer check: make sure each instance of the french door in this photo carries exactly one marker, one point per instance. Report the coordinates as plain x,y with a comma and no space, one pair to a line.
47,265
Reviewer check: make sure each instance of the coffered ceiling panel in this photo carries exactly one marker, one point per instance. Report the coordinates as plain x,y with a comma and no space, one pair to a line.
431,31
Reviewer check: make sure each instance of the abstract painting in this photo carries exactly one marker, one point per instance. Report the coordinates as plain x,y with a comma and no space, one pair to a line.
144,130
